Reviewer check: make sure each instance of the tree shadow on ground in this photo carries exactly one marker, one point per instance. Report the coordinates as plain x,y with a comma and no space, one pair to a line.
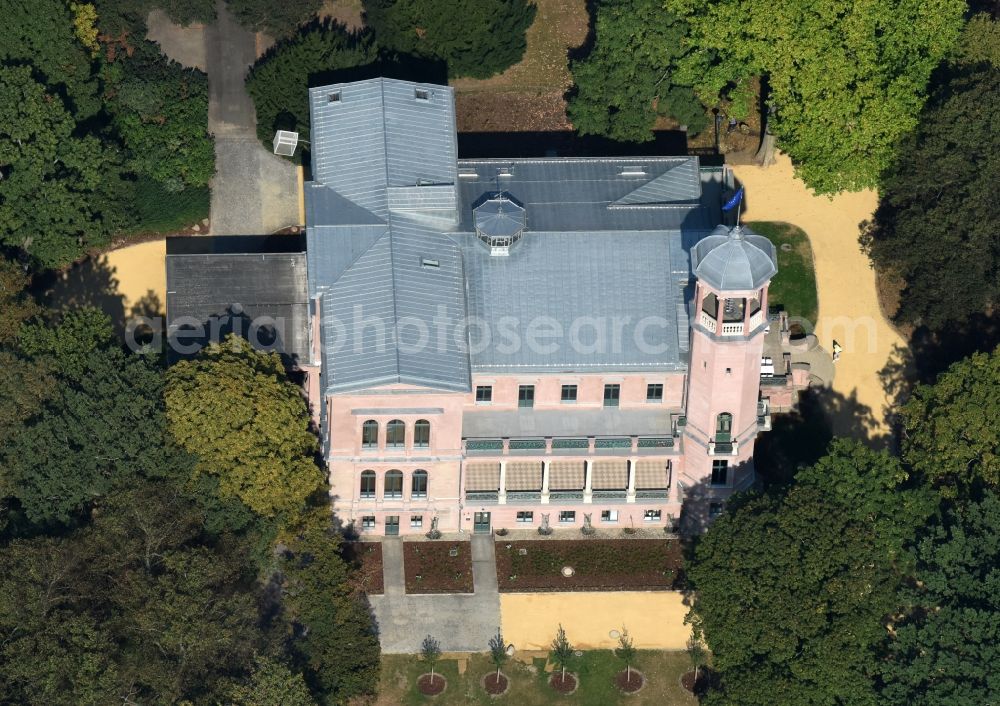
799,438
91,282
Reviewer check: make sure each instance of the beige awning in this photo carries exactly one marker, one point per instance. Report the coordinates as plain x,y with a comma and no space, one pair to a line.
524,475
610,474
482,476
651,475
566,475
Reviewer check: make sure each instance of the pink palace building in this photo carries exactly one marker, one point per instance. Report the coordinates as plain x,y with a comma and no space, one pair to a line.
517,343
512,343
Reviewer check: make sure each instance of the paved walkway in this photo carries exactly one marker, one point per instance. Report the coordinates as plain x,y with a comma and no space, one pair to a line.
460,622
848,304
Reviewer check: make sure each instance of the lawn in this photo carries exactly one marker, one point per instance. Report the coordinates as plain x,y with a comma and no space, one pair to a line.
596,670
794,287
430,567
598,564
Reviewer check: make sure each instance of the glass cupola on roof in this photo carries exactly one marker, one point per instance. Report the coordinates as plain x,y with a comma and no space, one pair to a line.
499,222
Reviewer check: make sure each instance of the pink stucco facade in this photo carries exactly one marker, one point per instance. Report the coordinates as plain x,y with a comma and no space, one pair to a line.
473,461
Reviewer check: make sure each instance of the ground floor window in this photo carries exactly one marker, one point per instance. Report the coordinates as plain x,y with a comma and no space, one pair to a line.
609,516
567,516
720,471
714,510
416,521
368,522
525,516
651,516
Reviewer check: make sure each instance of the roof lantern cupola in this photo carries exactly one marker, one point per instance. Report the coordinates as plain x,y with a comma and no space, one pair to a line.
734,259
500,222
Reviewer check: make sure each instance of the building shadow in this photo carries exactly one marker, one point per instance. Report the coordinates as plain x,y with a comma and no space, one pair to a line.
89,283
566,143
800,437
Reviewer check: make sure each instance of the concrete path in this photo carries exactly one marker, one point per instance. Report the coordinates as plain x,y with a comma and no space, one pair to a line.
460,622
253,191
848,304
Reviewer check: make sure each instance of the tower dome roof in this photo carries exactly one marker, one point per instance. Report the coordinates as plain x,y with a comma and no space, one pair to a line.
732,259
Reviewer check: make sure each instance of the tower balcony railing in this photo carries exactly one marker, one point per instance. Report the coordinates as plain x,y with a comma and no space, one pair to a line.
756,319
732,328
708,322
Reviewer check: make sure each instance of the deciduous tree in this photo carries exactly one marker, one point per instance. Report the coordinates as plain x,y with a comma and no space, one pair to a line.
279,19
847,81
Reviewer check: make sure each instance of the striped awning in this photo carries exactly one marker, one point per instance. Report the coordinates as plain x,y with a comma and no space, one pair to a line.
524,475
651,475
566,475
482,476
610,474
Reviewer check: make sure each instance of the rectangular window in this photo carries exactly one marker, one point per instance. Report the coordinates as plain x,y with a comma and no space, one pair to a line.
612,393
651,516
567,516
421,94
484,394
416,521
525,516
368,522
609,516
654,392
714,510
568,393
334,97
526,396
720,472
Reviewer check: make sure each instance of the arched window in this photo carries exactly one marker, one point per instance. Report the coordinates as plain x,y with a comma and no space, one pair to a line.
419,484
732,310
395,433
393,484
369,434
422,434
367,484
724,427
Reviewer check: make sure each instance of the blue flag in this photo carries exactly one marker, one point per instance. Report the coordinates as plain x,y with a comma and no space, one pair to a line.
731,203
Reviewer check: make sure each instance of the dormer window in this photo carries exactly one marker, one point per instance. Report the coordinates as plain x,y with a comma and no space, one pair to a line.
422,94
334,97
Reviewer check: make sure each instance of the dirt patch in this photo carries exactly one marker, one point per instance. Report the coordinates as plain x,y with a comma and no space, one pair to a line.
431,685
430,567
511,111
496,684
366,558
185,45
564,684
345,12
598,565
629,681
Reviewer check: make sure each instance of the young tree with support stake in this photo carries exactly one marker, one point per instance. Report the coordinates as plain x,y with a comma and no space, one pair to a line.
562,651
696,652
498,652
430,652
626,652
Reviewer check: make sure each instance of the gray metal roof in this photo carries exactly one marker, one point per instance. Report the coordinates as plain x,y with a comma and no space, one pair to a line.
602,421
576,283
735,259
394,257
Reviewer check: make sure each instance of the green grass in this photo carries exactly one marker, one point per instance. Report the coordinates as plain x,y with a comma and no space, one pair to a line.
794,287
159,211
596,670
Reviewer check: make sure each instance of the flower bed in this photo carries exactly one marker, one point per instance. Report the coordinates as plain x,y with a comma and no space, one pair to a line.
430,568
366,558
598,565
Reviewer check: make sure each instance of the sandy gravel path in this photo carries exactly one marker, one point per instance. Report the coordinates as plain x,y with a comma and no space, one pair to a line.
848,304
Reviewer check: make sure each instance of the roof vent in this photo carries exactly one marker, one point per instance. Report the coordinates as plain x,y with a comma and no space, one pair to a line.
500,222
633,171
334,97
428,262
421,94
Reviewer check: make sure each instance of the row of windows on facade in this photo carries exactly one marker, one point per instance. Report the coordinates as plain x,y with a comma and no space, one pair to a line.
526,517
395,434
393,484
568,394
391,521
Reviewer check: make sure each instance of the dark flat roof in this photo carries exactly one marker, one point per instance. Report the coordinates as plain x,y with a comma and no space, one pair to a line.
235,244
